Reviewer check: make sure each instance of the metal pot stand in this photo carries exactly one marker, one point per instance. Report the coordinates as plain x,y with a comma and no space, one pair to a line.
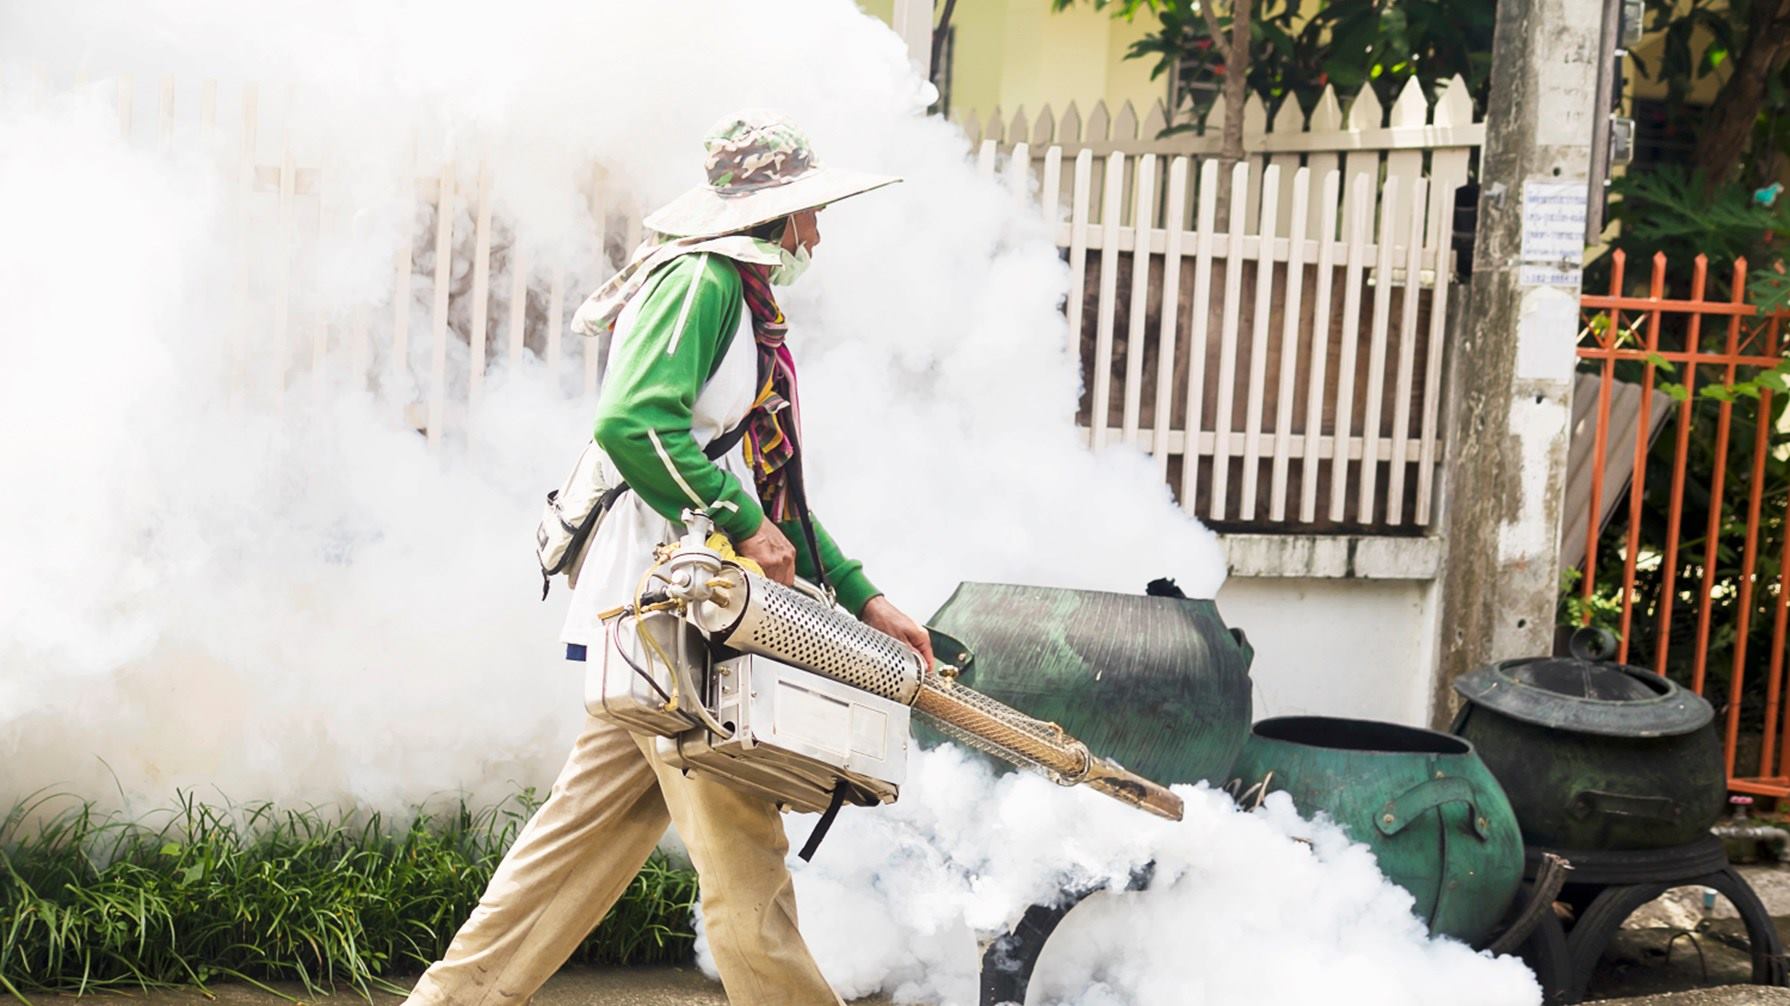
1625,766
1009,959
1530,930
1563,958
1612,885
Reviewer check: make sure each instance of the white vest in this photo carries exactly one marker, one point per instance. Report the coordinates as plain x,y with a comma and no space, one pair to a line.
623,546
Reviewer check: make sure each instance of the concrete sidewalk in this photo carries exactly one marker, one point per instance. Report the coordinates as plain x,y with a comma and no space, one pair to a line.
1729,995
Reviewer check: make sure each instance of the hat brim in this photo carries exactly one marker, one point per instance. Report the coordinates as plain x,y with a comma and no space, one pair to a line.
701,213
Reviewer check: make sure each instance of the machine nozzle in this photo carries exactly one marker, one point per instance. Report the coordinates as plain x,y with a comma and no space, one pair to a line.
1128,787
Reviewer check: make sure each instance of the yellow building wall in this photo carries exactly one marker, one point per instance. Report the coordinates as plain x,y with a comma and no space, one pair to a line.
1014,53
1018,53
1649,51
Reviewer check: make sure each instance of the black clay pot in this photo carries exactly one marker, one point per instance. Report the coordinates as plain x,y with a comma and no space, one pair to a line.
1596,755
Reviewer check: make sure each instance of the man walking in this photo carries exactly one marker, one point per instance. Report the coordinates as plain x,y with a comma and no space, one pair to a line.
698,349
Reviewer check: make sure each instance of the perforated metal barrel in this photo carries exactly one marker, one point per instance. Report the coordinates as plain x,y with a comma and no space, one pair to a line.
759,615
1158,684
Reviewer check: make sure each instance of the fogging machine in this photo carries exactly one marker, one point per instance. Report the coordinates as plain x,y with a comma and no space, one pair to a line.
774,690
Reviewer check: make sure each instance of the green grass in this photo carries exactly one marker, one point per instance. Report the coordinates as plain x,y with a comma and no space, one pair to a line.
258,893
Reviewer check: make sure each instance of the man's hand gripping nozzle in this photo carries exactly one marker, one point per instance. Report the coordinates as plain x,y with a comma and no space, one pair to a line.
743,610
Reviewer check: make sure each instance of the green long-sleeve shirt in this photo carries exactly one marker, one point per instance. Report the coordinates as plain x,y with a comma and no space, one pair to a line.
687,319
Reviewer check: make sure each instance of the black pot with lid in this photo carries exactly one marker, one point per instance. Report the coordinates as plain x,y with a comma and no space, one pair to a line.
1596,755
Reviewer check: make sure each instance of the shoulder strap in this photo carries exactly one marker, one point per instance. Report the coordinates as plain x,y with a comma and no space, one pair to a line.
825,824
716,448
798,489
726,441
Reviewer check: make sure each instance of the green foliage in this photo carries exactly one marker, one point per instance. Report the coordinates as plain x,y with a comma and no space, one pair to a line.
1680,27
257,893
1347,43
1361,41
1671,210
1602,610
1776,380
1676,211
1182,45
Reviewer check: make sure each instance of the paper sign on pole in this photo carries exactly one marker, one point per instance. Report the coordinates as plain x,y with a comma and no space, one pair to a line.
1553,233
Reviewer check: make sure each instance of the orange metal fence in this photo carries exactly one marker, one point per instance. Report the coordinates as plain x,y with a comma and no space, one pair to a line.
1692,567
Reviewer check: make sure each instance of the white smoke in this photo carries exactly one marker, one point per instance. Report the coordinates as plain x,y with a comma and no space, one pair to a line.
294,606
1234,911
302,602
299,600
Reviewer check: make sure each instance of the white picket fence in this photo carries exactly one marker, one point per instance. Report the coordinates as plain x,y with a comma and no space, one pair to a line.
1279,355
510,307
1317,307
1399,141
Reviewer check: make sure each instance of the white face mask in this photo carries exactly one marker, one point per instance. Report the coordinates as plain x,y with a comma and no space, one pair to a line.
792,266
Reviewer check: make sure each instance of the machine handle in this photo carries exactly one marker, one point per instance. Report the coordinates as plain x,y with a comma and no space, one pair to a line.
1592,644
1401,810
1587,802
814,593
1244,645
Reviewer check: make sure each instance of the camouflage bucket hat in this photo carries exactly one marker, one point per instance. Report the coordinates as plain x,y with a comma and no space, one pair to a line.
760,168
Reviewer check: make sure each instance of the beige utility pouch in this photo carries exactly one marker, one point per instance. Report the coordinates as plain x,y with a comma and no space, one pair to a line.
571,516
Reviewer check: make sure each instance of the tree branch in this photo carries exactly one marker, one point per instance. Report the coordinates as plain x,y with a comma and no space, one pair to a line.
939,32
1212,29
1236,80
1728,127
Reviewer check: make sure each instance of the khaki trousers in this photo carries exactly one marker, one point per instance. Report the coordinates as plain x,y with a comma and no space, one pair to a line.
573,859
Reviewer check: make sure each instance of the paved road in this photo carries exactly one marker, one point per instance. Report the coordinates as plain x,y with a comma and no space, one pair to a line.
687,987
572,987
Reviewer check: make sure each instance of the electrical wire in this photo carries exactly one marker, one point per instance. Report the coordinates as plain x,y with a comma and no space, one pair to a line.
645,675
672,702
680,682
679,674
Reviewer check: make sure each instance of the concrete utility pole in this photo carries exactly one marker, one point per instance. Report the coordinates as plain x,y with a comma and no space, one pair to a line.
1512,358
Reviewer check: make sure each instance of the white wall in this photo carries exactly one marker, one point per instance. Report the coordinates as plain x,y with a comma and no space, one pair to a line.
1337,646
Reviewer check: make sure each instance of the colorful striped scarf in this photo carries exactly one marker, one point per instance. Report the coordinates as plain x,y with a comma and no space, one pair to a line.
773,431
